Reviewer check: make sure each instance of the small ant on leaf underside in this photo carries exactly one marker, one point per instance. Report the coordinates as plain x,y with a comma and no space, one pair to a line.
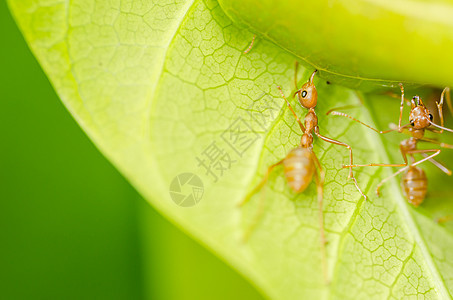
414,182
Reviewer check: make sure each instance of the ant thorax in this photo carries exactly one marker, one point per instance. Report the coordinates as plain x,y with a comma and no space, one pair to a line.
311,120
417,133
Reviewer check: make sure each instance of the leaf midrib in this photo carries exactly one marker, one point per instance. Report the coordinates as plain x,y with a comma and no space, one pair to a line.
154,87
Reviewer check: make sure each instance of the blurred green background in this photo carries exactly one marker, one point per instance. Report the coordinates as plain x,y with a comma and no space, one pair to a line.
71,226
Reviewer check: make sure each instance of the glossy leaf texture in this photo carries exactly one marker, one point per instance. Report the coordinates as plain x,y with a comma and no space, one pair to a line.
362,44
163,87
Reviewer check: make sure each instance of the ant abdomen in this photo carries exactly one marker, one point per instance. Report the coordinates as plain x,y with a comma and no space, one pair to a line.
414,185
299,168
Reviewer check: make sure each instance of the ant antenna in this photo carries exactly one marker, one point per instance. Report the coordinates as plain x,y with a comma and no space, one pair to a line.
312,76
440,127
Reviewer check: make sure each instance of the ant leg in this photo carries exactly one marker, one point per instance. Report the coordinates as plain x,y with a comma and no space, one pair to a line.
318,165
438,164
319,179
359,96
393,95
445,94
442,145
433,130
337,113
448,96
403,153
260,211
251,45
296,69
440,104
290,108
332,141
401,107
342,108
260,185
320,187
436,152
445,219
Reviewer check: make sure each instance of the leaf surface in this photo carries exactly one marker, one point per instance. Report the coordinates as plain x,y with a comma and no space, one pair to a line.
161,87
359,43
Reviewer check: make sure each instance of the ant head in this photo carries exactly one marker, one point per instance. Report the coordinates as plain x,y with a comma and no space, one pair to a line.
420,116
308,96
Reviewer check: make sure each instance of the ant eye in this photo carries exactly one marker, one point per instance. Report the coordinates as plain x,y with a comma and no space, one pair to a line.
412,122
431,117
304,94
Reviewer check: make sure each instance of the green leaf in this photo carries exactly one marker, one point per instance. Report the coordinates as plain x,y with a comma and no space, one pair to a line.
155,84
360,43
